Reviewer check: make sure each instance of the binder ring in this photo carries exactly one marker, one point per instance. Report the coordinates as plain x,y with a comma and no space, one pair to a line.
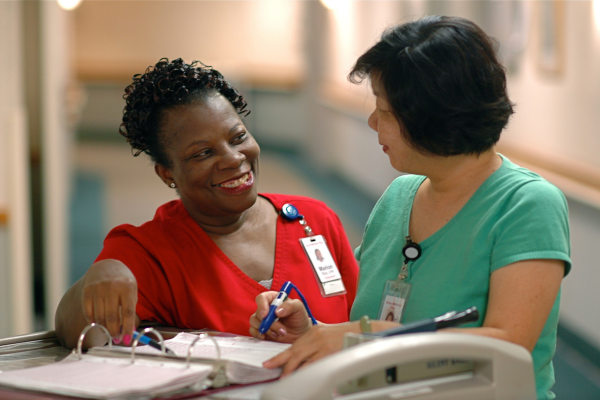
191,347
137,339
85,330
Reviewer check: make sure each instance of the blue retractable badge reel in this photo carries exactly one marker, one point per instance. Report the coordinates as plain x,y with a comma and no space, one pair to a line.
290,212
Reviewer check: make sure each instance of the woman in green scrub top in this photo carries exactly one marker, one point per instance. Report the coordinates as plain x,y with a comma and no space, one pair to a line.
476,229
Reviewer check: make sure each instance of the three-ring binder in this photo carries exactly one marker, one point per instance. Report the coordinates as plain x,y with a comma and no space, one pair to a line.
101,375
83,333
218,376
225,355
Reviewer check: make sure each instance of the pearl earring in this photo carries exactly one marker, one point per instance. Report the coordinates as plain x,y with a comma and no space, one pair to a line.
173,185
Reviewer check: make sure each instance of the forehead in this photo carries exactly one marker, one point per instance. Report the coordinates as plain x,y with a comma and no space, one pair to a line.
212,113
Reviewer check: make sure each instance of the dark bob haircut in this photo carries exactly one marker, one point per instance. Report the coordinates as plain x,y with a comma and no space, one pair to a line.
444,83
164,86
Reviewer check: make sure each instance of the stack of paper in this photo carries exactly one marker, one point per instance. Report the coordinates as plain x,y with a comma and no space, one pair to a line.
241,356
106,378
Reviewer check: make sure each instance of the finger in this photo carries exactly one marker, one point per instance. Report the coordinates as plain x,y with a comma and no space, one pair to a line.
255,333
255,320
255,326
112,316
99,311
279,328
88,308
128,303
290,307
279,360
263,302
294,363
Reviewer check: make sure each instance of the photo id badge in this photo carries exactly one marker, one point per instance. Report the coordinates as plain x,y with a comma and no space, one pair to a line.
326,271
395,295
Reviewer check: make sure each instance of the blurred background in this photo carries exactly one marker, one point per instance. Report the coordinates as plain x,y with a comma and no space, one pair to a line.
67,177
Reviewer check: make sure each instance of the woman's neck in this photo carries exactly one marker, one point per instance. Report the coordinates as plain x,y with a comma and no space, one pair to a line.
461,175
231,224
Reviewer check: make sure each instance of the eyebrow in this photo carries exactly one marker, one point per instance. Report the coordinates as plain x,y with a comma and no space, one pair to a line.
202,141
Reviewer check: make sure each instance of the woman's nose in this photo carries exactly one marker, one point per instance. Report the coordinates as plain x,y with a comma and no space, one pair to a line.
372,121
231,158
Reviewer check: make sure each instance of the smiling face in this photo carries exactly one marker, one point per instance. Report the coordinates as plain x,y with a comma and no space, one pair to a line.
213,157
402,154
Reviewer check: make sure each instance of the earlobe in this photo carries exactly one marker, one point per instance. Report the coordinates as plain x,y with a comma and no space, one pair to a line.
164,173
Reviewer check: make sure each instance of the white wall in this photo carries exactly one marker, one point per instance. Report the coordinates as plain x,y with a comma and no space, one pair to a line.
57,142
238,38
559,114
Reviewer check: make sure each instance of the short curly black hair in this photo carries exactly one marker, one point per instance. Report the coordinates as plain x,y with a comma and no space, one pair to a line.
163,86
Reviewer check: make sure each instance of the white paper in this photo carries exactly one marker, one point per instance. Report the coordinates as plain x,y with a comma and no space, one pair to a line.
243,355
101,377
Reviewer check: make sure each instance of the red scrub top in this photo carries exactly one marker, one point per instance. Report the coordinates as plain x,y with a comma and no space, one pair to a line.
185,280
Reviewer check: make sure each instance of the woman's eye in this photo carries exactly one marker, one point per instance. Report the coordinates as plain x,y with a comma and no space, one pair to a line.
240,138
202,154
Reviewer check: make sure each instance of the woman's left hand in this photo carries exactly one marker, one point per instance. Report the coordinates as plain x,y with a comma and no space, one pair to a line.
317,343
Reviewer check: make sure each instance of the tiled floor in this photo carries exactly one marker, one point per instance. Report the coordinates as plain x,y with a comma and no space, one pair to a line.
112,187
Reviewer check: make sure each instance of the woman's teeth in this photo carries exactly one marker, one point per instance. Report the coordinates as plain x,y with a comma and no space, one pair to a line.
236,183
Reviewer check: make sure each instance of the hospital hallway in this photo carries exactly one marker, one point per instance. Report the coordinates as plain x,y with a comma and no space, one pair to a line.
110,187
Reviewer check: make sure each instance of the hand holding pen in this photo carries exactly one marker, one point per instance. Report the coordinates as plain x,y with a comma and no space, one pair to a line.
279,320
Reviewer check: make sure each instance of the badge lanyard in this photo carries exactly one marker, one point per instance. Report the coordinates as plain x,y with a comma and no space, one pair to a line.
315,247
396,292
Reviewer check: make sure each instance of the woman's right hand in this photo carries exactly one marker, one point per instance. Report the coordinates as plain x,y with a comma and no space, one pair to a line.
293,319
109,297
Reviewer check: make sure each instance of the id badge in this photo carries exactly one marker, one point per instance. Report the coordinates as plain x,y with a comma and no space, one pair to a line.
395,295
326,271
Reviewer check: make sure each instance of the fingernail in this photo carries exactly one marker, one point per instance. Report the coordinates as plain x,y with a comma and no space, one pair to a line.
116,340
127,340
282,332
279,310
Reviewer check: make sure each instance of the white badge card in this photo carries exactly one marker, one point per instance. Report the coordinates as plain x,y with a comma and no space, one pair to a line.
395,295
326,271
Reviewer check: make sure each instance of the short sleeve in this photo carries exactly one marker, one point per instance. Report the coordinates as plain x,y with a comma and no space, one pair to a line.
533,225
121,245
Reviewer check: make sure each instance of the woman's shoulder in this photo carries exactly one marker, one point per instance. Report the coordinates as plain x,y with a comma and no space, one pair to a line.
402,189
165,214
522,183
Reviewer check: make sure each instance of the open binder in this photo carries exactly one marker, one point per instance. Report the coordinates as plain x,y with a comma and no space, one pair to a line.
141,372
235,359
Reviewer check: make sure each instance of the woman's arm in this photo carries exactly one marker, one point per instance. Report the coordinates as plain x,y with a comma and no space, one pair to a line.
106,295
521,297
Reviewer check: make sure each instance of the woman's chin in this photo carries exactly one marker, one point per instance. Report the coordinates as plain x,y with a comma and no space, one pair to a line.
241,201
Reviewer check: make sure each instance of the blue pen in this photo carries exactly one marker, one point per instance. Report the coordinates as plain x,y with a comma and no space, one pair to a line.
283,294
151,342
